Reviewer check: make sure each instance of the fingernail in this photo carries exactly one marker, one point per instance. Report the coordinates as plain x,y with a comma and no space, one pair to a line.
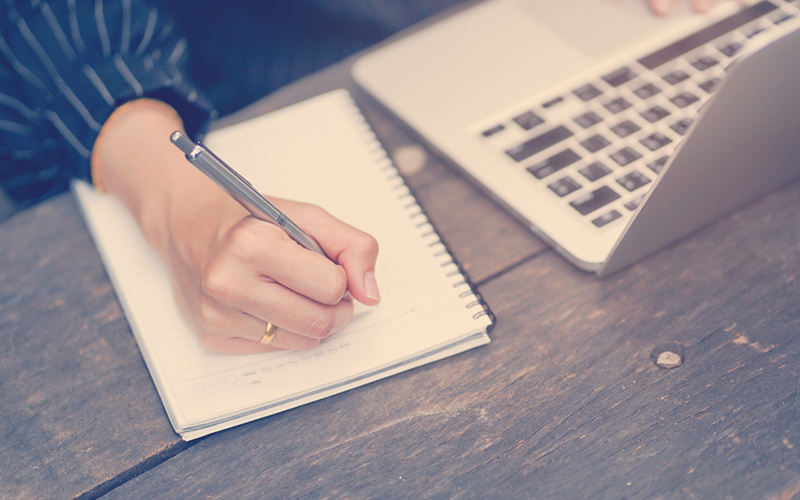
371,286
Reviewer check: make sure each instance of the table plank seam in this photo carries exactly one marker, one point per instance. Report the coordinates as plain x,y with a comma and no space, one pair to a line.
123,477
507,269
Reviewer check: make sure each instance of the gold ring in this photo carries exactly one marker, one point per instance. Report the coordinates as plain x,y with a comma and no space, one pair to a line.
269,334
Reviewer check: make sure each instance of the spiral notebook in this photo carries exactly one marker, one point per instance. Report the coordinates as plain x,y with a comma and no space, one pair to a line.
321,151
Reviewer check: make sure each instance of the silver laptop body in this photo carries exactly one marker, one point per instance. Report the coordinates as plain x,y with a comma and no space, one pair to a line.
606,130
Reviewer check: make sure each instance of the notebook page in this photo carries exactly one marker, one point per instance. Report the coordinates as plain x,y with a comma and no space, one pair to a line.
323,152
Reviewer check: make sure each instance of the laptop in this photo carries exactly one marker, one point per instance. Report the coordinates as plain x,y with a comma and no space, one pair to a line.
608,131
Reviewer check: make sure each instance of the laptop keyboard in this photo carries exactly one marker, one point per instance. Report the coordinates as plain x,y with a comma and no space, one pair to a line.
599,148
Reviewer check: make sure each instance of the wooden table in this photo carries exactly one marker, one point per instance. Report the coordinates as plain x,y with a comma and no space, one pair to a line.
566,402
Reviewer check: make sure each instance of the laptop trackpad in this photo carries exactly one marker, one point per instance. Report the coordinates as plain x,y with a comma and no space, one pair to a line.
602,27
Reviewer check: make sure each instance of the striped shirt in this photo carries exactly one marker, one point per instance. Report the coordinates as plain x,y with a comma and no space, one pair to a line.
65,65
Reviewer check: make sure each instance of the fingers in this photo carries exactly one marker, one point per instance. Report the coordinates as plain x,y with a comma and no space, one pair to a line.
301,323
354,250
250,272
256,250
238,345
357,256
291,311
358,259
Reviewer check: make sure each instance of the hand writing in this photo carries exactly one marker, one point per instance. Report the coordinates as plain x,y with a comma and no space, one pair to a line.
231,272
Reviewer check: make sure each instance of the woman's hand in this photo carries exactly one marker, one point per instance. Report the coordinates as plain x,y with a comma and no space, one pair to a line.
232,273
664,7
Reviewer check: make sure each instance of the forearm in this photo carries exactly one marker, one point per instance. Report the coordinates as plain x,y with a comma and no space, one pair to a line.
134,160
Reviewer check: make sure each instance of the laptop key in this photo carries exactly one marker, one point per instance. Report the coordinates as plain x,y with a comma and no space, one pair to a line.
633,180
605,219
634,204
554,164
704,62
731,49
654,114
564,186
681,126
528,120
625,128
588,119
709,85
684,99
647,91
675,77
552,102
620,76
539,143
595,143
587,92
595,171
658,165
655,141
625,156
617,105
783,17
490,132
598,198
752,32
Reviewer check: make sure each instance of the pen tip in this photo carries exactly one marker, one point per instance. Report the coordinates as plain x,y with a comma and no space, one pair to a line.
183,142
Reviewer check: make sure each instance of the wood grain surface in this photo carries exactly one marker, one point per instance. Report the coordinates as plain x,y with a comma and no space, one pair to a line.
79,408
566,402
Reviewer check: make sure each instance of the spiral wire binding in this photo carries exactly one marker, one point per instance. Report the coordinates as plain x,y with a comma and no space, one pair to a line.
416,210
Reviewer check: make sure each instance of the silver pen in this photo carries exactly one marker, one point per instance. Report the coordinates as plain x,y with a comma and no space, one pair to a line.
241,190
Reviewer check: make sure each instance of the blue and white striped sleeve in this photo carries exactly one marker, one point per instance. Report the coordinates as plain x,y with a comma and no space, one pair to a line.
65,65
